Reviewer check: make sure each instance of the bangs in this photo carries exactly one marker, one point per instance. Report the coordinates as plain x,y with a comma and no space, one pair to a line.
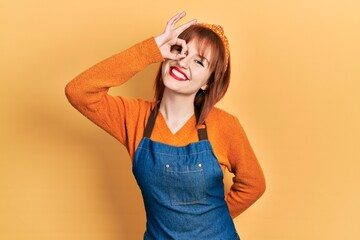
207,42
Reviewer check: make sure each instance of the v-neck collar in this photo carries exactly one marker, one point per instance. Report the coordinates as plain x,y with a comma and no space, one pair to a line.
188,125
158,123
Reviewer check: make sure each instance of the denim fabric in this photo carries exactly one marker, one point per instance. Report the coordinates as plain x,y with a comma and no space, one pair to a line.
183,192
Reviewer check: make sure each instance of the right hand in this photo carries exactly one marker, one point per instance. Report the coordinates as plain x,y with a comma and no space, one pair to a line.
170,38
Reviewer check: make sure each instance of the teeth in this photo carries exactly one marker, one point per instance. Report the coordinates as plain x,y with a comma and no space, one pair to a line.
178,74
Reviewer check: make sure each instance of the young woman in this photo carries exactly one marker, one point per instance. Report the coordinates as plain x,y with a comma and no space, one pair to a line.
180,144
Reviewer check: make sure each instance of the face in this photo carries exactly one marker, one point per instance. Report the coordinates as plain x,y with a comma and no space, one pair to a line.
187,75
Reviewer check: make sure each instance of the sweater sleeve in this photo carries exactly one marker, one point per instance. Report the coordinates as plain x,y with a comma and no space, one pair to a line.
249,181
88,92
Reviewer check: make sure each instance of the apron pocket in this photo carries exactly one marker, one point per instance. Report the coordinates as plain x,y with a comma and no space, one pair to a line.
186,187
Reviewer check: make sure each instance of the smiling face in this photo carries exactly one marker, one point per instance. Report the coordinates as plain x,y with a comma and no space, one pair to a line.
217,80
187,75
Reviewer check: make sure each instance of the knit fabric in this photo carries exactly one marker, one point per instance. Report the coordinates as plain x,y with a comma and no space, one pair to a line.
125,119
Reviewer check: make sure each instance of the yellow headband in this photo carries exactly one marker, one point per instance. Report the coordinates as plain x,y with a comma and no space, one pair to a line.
220,32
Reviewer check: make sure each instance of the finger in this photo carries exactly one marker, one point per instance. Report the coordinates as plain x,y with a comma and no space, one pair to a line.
181,28
179,42
178,17
173,19
182,43
172,22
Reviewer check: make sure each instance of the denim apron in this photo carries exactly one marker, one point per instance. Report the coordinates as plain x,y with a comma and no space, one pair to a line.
182,189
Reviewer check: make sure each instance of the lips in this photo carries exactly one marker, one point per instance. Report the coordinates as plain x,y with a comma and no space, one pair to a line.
177,74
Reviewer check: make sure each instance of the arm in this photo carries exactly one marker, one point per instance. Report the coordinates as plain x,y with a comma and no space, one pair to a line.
88,92
248,182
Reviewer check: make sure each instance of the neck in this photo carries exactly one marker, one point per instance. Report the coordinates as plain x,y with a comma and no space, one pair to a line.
176,106
176,109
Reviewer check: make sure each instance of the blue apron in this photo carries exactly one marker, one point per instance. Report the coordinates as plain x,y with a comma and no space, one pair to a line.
182,189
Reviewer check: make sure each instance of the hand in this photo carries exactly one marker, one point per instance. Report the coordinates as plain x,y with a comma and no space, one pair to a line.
170,38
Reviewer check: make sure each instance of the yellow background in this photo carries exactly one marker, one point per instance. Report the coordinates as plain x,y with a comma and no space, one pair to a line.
295,88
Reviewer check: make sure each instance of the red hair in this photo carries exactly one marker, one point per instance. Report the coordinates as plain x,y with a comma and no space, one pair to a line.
219,79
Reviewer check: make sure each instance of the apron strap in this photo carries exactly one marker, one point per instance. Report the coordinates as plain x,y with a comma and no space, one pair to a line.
151,121
202,133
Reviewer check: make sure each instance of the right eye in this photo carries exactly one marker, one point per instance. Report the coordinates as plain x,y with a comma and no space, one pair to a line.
176,49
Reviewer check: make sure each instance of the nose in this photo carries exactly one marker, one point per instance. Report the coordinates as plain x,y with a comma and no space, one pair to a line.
184,62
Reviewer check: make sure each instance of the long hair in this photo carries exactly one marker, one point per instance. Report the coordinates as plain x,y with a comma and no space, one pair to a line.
219,79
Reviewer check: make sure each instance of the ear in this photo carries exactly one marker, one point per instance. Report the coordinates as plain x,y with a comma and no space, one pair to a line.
204,87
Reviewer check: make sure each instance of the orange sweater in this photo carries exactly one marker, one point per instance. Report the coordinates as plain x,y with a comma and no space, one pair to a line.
125,119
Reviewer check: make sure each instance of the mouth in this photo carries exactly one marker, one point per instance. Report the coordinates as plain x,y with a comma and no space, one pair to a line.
177,74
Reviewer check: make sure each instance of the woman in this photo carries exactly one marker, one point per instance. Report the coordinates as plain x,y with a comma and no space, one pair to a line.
180,144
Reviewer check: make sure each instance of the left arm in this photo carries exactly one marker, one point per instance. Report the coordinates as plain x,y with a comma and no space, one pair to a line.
249,181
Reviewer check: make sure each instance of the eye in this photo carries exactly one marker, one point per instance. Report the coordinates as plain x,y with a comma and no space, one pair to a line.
199,62
176,49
